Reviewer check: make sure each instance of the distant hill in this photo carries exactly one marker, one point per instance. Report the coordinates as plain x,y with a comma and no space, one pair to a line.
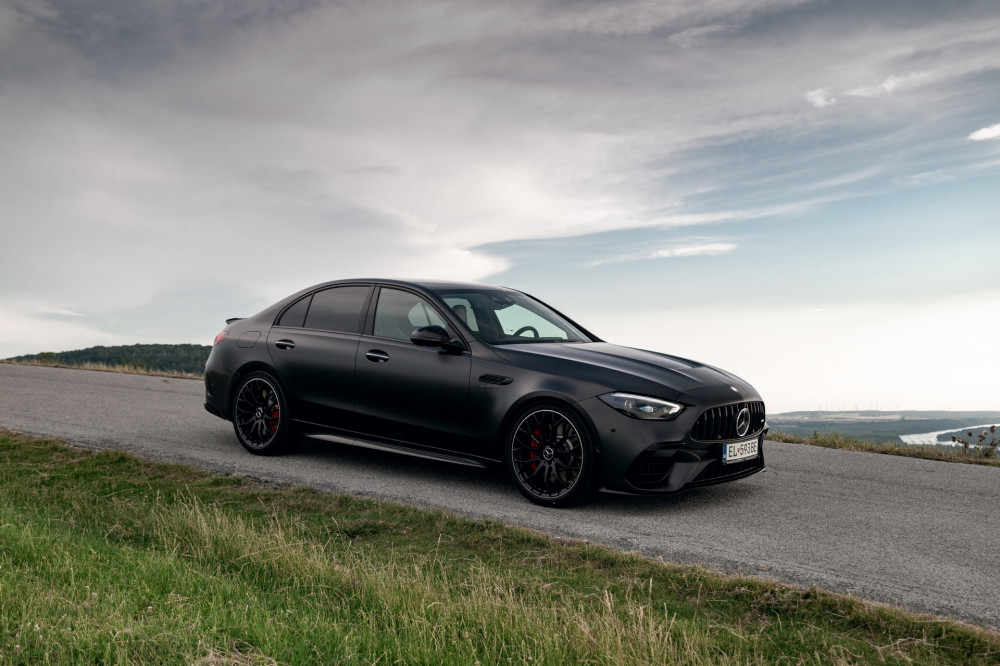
878,425
870,415
164,358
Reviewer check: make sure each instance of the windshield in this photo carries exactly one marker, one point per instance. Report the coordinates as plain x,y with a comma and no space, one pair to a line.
507,317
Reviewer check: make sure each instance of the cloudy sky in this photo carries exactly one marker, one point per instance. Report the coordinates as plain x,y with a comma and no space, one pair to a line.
804,193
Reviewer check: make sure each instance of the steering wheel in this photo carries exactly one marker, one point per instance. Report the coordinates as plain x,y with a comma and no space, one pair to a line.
525,329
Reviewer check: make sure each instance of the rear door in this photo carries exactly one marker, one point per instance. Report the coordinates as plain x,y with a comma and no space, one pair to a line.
314,346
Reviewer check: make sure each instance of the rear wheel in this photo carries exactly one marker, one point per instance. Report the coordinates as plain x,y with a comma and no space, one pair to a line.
550,457
260,416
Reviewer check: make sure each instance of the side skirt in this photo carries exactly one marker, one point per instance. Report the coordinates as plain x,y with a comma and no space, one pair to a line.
397,448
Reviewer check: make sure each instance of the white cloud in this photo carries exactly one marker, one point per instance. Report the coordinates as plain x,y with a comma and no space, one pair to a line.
696,249
694,36
710,249
60,312
927,178
641,17
820,97
986,134
823,97
889,85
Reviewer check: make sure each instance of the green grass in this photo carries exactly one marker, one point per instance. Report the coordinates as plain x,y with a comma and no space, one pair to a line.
840,441
105,558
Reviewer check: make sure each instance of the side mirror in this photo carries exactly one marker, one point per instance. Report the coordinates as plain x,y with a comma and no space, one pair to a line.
436,336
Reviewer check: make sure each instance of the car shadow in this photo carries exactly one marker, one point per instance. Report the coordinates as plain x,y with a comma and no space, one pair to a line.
440,476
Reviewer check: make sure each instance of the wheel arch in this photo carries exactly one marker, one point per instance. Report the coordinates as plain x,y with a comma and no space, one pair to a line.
592,479
544,398
248,368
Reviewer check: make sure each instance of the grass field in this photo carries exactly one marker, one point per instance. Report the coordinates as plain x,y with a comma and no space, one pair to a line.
105,558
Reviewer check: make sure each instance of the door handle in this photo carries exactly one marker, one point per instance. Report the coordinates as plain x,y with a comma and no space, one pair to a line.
377,356
284,344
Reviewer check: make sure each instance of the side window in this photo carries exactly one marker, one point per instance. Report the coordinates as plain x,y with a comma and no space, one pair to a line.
337,309
399,312
463,308
296,315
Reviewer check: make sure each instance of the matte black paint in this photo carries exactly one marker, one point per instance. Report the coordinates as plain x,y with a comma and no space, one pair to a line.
457,403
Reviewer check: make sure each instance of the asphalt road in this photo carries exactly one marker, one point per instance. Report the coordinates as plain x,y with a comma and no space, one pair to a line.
915,533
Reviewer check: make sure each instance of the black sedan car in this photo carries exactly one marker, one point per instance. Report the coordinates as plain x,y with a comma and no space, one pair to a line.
474,374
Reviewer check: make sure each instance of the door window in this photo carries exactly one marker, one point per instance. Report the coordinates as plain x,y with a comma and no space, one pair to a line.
464,310
399,313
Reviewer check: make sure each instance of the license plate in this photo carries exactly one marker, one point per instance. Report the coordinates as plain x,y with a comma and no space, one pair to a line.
740,450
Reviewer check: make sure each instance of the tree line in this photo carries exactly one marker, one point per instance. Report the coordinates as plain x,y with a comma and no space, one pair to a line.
166,358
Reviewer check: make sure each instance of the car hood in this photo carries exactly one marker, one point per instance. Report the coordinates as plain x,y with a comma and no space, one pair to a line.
632,370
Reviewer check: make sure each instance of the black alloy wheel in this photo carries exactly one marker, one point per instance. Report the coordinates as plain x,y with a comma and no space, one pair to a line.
550,457
260,416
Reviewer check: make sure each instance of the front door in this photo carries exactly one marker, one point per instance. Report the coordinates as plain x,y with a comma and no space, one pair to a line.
406,393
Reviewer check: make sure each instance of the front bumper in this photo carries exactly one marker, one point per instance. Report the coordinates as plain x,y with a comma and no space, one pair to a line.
659,457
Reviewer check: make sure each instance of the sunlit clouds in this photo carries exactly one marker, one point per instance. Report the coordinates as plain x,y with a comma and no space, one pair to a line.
168,165
820,97
986,133
691,250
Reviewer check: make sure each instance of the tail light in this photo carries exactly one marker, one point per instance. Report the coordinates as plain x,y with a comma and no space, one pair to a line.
220,337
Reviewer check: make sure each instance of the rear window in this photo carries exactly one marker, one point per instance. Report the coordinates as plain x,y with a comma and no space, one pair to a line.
296,315
338,309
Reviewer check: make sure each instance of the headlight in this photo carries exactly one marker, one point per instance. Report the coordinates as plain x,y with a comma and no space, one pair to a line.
642,407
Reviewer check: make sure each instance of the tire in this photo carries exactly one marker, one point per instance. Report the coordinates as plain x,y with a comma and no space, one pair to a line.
261,417
550,456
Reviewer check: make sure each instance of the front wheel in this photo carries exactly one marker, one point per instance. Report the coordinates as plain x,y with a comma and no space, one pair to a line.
550,457
260,416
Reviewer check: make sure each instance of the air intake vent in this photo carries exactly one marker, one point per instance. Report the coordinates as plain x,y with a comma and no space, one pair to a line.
720,423
717,472
650,472
495,379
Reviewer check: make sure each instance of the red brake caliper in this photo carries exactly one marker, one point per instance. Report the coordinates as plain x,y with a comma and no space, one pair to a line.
531,454
273,425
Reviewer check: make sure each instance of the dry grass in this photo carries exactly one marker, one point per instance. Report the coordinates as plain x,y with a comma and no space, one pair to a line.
104,367
970,456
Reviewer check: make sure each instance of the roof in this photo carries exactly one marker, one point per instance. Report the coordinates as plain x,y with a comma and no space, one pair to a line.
432,285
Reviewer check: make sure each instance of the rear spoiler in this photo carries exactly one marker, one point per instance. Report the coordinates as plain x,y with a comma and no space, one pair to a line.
230,321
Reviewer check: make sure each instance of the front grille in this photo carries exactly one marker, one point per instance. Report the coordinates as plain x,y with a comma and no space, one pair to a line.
719,471
719,423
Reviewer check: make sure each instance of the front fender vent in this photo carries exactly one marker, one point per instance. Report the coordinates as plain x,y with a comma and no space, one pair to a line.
495,379
719,423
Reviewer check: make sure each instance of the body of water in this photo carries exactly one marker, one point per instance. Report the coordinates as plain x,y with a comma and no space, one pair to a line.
932,437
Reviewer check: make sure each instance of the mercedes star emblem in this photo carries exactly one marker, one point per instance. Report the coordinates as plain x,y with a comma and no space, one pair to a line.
743,422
